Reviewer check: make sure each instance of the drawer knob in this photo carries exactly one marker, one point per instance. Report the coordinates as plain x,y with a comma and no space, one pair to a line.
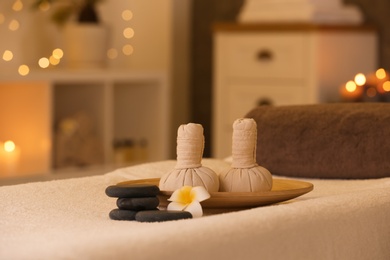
264,55
264,102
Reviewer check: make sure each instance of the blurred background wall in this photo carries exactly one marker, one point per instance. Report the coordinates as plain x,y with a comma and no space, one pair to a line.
206,12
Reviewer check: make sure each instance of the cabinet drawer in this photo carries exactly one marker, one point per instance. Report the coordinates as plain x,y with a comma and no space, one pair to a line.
241,99
266,55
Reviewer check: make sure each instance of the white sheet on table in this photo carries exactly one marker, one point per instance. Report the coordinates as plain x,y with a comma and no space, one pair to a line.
68,219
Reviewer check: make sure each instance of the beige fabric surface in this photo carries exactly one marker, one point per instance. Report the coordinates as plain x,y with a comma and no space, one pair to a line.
68,219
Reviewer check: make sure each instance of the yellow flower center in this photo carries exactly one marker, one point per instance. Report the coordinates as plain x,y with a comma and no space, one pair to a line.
185,196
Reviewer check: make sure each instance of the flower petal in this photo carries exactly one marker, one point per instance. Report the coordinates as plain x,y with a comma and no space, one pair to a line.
175,195
199,193
181,195
176,206
195,209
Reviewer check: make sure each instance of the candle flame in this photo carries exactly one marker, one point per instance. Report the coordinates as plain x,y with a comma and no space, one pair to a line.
386,86
380,73
360,79
9,146
350,86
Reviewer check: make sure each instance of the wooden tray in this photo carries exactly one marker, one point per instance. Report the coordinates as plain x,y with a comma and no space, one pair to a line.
282,190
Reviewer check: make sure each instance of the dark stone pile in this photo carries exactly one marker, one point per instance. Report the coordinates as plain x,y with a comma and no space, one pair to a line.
139,202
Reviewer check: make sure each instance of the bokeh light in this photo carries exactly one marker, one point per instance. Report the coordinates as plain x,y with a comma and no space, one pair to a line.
43,62
360,79
380,73
54,61
58,53
350,86
9,146
386,86
13,25
17,6
127,15
24,70
128,33
127,49
8,55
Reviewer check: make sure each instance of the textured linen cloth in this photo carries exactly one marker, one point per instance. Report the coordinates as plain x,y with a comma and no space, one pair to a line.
68,219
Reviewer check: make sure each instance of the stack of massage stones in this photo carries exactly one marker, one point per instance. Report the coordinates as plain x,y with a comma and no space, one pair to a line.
139,202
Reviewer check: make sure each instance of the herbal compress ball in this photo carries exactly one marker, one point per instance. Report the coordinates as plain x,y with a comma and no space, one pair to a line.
189,170
245,175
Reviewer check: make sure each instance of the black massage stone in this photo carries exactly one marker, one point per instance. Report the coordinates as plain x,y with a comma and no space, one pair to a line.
161,215
120,214
138,203
132,190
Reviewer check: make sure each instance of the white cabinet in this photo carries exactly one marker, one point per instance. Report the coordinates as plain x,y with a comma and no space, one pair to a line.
282,64
121,105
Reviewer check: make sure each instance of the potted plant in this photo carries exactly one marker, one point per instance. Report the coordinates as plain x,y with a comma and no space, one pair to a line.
84,36
84,10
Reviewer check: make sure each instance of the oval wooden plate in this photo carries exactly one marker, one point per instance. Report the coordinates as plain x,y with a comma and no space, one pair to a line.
282,190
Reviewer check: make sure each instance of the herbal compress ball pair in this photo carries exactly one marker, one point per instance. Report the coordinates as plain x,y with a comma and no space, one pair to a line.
245,175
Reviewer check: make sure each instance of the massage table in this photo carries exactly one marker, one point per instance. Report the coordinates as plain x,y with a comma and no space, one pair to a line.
68,219
346,218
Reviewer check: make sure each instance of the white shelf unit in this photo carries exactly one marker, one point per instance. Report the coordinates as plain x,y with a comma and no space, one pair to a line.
123,104
283,64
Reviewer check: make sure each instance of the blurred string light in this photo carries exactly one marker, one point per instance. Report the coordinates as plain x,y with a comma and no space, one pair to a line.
13,25
8,55
58,53
128,34
55,58
128,49
17,6
43,62
24,70
127,15
54,61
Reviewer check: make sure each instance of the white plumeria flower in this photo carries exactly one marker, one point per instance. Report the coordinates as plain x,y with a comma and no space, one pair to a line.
188,198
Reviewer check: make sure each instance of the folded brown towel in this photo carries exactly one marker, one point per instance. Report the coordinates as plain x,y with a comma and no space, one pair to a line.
340,140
